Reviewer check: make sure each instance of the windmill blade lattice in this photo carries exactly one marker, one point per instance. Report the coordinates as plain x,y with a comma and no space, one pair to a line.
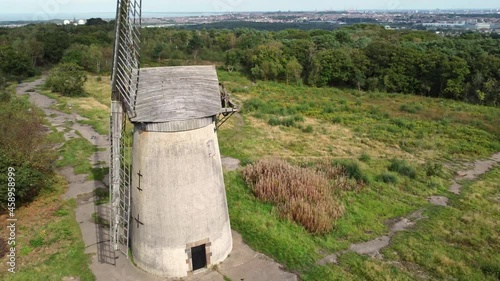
124,82
126,63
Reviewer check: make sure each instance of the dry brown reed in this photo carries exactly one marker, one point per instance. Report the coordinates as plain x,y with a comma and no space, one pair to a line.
304,195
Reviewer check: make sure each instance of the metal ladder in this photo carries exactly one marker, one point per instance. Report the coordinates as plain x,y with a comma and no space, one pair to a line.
120,197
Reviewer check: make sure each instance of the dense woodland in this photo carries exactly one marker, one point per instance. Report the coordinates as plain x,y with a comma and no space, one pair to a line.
364,57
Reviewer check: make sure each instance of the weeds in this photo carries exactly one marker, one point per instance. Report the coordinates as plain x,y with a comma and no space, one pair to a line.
301,194
387,178
403,168
365,157
411,108
353,170
309,129
433,169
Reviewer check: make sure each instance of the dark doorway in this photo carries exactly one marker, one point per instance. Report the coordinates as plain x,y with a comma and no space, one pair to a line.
199,257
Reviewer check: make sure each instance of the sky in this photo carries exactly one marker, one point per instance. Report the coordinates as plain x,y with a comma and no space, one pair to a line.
49,8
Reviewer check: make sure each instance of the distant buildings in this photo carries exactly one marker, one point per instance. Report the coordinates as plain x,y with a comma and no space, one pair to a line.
445,24
483,26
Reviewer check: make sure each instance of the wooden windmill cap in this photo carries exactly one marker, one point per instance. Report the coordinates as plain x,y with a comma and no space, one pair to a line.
177,93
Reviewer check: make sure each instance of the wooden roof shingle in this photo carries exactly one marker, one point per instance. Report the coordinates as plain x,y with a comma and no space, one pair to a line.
177,93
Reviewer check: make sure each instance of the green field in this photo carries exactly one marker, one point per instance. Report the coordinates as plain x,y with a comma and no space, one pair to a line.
404,147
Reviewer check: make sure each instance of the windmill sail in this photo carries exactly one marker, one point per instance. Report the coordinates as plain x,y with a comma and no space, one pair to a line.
124,82
125,76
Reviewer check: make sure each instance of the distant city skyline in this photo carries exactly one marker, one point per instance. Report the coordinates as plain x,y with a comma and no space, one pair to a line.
48,9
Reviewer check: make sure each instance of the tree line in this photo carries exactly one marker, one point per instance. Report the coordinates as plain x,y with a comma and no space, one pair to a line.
364,57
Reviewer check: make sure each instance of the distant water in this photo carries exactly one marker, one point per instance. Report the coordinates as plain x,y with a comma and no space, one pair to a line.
111,15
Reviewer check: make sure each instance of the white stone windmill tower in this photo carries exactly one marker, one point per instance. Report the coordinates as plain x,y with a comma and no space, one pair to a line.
168,201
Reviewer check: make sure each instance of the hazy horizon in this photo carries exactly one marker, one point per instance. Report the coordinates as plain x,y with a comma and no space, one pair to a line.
56,9
111,15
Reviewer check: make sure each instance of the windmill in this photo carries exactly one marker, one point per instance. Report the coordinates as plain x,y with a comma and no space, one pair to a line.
168,201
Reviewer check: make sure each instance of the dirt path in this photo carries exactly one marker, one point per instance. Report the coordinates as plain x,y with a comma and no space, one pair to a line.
243,263
373,247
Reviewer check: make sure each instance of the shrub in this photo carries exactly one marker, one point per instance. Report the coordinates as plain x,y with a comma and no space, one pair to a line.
24,147
303,195
309,129
433,169
67,79
365,157
403,168
274,121
337,120
387,178
287,121
411,108
338,176
353,170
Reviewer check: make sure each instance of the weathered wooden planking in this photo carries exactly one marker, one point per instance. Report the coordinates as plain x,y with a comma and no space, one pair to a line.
177,93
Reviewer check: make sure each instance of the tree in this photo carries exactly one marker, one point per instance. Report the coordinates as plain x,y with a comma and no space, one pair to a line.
55,41
293,71
361,64
195,45
268,60
75,54
455,71
15,63
96,21
67,79
93,59
232,60
157,51
332,68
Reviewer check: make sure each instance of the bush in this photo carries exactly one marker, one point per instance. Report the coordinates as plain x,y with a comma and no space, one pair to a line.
353,170
287,121
411,108
253,105
433,169
67,79
387,178
365,157
24,147
303,195
403,168
338,176
309,129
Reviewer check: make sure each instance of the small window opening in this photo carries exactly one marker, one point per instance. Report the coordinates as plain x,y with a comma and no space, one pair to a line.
199,257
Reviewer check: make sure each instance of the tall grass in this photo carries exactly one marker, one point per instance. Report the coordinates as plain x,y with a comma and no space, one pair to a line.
303,195
403,168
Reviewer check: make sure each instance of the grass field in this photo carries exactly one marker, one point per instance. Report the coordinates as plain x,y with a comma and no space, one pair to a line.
49,241
406,148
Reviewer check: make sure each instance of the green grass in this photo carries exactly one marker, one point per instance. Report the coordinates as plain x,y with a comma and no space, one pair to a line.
403,168
94,105
402,143
414,124
50,245
461,242
102,196
75,153
98,120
